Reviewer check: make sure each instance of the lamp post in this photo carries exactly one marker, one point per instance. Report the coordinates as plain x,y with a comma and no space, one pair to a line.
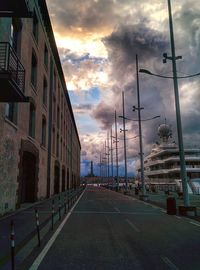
111,155
116,150
108,154
139,108
141,147
175,78
124,131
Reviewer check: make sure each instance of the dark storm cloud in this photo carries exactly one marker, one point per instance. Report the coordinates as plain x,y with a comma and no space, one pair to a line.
122,46
132,39
104,114
157,95
84,14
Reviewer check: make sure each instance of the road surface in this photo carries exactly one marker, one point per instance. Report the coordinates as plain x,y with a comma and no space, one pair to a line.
107,230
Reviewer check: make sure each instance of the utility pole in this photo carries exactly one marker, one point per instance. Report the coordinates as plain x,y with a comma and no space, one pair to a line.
100,166
116,150
111,155
140,129
105,162
178,115
108,154
124,130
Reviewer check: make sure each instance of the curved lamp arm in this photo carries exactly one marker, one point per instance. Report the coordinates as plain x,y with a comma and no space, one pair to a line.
167,77
157,116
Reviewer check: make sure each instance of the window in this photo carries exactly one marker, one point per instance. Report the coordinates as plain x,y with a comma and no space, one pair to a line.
54,81
11,112
58,117
44,91
32,120
35,26
54,111
57,146
43,138
62,102
45,56
59,93
15,31
61,152
54,141
34,70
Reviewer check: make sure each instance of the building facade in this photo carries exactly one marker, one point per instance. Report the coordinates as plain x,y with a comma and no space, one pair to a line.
39,142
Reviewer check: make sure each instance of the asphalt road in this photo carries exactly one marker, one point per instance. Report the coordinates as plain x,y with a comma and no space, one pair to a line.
107,230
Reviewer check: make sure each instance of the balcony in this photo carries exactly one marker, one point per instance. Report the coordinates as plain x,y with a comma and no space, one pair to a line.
12,75
13,8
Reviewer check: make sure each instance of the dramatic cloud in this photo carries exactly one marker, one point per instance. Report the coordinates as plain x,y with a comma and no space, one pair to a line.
98,41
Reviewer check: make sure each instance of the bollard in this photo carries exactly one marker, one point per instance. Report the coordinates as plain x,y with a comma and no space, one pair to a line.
12,244
37,226
52,215
59,209
68,202
65,203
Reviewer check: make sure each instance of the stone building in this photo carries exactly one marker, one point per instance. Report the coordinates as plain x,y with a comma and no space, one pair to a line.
39,142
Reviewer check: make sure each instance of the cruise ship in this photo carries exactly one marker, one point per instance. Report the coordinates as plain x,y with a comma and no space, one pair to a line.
162,165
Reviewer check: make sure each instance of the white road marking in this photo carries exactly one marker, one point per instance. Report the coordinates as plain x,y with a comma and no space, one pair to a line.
155,207
118,213
132,225
146,203
164,211
169,263
194,223
43,253
178,217
117,209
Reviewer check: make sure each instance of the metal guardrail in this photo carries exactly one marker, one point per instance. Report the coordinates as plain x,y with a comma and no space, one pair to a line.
61,205
10,64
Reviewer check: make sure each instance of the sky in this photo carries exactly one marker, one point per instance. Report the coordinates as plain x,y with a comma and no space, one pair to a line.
98,41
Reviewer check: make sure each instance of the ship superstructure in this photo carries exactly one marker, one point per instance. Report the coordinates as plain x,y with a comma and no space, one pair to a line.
162,165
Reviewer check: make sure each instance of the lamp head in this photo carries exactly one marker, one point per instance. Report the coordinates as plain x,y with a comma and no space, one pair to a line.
142,70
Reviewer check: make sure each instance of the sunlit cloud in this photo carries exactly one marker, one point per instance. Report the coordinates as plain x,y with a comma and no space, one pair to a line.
98,40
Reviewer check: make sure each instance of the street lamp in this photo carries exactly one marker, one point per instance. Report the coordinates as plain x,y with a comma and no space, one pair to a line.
124,131
115,140
141,149
175,78
147,119
146,71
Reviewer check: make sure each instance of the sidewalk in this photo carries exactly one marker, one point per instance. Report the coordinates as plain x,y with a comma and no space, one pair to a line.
25,225
160,199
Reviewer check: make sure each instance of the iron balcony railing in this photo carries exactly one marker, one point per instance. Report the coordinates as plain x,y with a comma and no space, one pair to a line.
11,65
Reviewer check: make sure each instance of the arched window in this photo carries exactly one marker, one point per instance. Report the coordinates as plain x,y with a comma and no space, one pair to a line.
58,117
35,26
32,120
43,135
57,146
34,69
46,55
54,139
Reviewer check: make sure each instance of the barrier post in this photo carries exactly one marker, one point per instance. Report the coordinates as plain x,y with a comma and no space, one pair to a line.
68,202
65,203
12,244
52,214
59,208
37,226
